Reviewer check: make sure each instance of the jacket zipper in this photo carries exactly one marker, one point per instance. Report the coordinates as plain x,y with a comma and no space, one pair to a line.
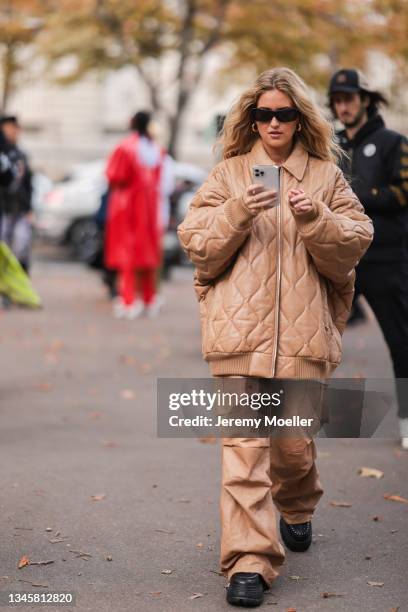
278,271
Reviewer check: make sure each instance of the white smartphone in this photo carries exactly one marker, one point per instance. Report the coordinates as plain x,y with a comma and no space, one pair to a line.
268,176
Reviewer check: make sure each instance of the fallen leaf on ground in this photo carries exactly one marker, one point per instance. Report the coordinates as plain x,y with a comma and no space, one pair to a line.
57,541
396,498
40,562
43,387
98,497
208,440
196,595
55,345
127,360
155,593
368,472
376,584
25,528
127,394
164,531
339,504
34,584
326,595
23,562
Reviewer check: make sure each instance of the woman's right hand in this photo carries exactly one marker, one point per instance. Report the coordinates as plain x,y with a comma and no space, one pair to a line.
257,198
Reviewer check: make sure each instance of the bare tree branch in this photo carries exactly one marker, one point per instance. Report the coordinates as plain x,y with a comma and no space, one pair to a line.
215,35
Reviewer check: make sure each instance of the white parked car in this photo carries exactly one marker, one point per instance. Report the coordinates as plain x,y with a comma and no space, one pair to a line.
41,185
66,214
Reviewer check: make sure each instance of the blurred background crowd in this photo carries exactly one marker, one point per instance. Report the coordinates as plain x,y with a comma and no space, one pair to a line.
73,73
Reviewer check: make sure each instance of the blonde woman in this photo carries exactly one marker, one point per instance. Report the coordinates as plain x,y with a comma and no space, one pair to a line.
275,282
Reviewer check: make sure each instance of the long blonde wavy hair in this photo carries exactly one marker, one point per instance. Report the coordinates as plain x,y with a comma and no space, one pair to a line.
317,133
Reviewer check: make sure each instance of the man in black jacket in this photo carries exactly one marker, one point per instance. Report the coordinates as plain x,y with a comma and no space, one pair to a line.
377,168
7,168
16,197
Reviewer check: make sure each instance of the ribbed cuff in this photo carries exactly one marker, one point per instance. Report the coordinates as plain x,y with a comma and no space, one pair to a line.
307,221
238,214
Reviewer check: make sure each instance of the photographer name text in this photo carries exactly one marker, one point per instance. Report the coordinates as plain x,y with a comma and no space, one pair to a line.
254,422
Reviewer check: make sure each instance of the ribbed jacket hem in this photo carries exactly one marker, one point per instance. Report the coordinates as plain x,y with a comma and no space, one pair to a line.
313,368
260,364
239,365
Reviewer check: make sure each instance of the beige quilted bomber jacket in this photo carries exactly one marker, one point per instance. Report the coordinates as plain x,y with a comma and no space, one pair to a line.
274,286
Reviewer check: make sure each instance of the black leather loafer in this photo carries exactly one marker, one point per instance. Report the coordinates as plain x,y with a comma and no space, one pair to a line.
296,537
245,589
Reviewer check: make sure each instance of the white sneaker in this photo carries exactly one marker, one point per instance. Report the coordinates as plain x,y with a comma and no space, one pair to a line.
403,427
119,308
153,309
135,310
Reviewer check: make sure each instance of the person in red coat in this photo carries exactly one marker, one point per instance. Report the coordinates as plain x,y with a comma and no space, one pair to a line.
133,232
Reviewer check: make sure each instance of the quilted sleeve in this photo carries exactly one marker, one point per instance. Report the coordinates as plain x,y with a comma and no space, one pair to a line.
215,227
336,236
340,298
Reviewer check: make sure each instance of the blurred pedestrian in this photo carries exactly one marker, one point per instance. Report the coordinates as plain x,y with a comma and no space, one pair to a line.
134,230
274,278
16,198
108,275
377,167
8,170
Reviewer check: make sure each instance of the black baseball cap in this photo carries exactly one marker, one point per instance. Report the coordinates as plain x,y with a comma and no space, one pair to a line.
348,80
9,119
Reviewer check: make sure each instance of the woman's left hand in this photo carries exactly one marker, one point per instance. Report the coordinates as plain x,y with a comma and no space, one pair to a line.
299,202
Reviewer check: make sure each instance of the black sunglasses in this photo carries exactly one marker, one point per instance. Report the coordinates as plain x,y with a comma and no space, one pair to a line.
283,115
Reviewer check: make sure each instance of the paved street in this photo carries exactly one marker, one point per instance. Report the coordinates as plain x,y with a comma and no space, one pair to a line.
83,470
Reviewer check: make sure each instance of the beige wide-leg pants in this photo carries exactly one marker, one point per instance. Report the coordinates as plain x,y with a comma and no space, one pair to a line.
259,474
